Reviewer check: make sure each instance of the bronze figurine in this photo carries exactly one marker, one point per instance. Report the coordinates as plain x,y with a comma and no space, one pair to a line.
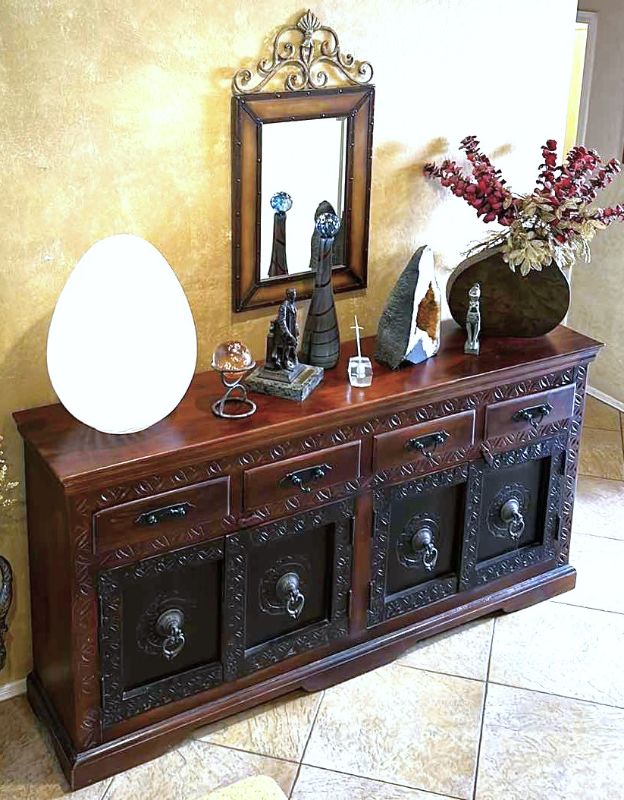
282,374
284,336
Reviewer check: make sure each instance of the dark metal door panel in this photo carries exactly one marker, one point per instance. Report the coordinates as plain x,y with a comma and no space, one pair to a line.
287,587
513,512
417,543
160,629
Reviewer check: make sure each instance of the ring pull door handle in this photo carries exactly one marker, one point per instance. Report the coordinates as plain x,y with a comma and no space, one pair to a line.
428,443
533,414
289,592
169,627
423,541
511,515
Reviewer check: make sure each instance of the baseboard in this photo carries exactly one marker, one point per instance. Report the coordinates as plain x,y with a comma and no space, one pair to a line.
605,398
12,689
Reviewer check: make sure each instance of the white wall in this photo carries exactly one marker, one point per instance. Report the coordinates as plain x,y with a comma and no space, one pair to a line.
597,288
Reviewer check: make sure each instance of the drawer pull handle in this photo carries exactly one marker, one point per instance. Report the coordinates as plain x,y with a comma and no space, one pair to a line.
289,592
169,627
301,478
511,515
423,540
427,444
533,414
162,514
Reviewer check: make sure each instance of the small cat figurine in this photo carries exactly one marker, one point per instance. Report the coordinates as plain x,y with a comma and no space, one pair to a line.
473,321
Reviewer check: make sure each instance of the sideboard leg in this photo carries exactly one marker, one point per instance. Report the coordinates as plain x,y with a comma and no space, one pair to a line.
565,581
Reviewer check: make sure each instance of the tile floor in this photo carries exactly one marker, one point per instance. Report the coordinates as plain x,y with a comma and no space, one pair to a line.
528,706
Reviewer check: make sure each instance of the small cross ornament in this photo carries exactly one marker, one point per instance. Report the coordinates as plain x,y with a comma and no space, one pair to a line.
357,328
360,367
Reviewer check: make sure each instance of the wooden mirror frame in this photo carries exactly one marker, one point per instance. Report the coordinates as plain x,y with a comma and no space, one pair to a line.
249,113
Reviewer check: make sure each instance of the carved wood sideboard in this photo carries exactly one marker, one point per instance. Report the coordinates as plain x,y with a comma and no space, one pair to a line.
205,566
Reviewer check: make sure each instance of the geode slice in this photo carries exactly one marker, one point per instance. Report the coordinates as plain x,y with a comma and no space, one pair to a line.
409,328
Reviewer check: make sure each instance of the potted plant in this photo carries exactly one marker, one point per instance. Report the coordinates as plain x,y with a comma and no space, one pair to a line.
6,575
519,267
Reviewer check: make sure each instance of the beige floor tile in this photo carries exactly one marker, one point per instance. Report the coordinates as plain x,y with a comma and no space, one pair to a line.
464,651
599,564
401,725
28,767
561,649
599,508
600,415
193,770
314,784
278,729
601,454
541,747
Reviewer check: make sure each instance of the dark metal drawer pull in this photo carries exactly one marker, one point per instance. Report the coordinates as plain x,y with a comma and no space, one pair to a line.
302,477
288,591
428,443
162,514
169,627
533,414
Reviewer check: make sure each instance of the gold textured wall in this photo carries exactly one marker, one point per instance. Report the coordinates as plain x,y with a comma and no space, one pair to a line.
116,118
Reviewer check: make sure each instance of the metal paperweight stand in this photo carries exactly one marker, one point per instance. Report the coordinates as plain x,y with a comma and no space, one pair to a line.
236,394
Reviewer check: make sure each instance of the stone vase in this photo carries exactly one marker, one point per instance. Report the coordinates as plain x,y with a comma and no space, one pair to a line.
511,305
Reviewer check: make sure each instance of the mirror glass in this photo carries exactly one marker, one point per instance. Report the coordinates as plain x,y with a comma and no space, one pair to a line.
303,176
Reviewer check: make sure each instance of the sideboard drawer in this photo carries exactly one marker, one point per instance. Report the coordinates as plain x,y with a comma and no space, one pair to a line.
161,514
302,474
429,440
529,412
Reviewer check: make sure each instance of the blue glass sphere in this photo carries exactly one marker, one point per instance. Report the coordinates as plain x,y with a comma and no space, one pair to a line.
327,225
281,202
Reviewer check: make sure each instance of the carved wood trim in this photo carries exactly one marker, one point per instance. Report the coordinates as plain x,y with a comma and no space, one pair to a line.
572,463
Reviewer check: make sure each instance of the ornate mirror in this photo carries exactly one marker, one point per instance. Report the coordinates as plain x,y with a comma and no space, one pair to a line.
297,153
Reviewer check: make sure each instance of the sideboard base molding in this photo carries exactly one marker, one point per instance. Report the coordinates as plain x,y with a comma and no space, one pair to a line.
98,763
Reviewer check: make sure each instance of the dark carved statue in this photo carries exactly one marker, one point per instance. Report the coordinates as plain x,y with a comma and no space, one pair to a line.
283,336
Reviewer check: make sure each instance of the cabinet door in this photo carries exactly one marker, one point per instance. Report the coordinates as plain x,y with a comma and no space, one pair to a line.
160,629
417,543
514,511
287,587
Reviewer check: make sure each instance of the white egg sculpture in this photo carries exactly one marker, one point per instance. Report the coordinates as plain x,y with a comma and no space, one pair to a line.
122,345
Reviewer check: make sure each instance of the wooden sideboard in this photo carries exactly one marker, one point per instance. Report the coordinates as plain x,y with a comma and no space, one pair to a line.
205,565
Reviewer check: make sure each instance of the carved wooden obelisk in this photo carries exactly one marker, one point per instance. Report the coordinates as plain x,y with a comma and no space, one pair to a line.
321,337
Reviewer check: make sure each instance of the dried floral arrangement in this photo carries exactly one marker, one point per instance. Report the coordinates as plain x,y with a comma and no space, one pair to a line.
556,222
7,487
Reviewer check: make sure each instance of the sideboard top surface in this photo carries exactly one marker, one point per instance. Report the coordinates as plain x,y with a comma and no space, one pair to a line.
76,453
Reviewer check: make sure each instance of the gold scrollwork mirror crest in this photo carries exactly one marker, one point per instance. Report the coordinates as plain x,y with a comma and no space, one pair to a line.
305,50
